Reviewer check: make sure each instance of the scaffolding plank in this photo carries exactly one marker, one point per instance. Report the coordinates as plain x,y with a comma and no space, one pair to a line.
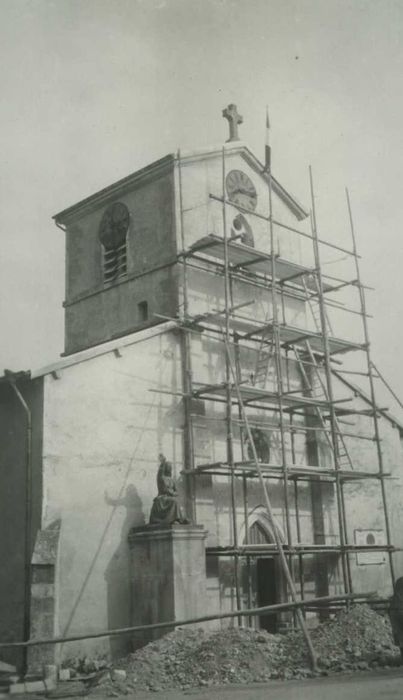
252,393
359,412
297,548
240,255
290,335
293,335
246,468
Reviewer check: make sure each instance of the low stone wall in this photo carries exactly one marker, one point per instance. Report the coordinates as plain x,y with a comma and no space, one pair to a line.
44,597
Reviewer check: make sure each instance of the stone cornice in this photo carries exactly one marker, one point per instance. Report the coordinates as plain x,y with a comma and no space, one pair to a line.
101,289
104,196
164,165
238,147
137,336
168,532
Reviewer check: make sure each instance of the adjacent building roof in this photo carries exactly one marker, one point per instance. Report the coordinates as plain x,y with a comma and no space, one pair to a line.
89,353
363,395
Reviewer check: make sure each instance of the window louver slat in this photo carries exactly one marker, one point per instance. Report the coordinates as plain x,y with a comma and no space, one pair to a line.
115,264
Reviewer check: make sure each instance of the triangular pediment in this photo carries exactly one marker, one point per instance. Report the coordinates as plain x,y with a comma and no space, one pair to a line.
240,149
157,168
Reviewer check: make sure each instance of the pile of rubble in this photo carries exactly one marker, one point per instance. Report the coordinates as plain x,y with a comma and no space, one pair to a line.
355,640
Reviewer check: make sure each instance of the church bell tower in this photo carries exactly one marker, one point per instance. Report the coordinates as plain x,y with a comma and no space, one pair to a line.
120,257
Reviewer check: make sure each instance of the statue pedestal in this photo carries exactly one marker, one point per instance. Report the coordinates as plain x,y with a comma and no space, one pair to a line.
168,576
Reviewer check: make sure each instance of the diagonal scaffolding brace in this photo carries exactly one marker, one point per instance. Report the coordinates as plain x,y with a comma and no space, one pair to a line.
272,521
273,340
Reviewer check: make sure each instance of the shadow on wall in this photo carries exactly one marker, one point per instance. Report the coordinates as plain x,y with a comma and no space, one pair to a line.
117,573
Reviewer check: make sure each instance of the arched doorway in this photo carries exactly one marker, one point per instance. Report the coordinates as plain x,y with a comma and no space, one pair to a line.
263,581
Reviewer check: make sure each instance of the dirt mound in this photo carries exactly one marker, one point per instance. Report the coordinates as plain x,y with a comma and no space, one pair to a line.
356,639
353,640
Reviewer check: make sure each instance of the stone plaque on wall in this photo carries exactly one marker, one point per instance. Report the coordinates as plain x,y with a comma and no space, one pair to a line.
368,538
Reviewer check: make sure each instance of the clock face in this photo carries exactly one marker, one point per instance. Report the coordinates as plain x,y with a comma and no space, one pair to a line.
241,190
114,225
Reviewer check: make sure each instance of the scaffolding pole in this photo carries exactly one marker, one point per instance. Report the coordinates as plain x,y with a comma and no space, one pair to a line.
244,483
230,439
187,374
333,418
276,536
383,380
372,389
277,357
232,262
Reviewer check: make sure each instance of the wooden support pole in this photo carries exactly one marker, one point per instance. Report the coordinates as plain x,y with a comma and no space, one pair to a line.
266,610
333,420
273,524
187,374
278,366
372,391
230,438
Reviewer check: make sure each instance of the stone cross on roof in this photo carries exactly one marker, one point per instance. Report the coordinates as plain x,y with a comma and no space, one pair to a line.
231,113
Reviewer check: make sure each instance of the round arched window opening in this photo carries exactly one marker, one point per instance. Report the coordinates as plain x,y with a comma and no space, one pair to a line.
370,539
261,440
242,230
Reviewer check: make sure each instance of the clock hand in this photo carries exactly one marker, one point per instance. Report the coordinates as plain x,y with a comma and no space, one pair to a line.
249,193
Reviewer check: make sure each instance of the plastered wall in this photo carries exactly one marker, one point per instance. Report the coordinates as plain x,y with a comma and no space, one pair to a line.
115,311
103,429
363,498
94,313
204,215
105,420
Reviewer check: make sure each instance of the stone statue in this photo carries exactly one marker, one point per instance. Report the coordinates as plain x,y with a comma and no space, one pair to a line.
165,509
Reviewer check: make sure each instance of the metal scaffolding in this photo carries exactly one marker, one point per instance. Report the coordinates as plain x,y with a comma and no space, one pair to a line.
311,410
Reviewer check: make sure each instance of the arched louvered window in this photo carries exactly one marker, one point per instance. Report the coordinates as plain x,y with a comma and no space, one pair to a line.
113,237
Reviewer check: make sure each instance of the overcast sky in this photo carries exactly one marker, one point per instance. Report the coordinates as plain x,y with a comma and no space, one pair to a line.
94,89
